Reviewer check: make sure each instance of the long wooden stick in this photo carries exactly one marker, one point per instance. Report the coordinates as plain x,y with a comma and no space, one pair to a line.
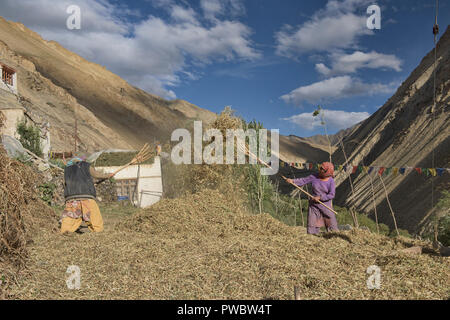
39,158
142,156
308,194
389,203
265,164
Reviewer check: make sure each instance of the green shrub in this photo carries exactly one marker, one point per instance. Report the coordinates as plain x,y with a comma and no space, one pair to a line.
402,232
30,137
444,230
444,221
47,190
24,158
444,201
443,224
260,189
57,162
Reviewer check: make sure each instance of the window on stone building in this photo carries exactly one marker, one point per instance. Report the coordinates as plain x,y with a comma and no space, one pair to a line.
7,75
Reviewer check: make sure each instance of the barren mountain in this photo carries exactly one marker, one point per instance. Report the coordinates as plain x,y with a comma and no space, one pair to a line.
58,86
405,132
322,140
296,149
315,148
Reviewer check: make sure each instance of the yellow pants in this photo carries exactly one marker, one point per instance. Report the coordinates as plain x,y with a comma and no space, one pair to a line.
96,221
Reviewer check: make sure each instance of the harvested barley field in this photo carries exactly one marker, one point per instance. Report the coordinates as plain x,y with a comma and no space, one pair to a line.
204,247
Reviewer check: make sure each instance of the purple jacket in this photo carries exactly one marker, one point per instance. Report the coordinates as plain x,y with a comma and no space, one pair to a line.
324,189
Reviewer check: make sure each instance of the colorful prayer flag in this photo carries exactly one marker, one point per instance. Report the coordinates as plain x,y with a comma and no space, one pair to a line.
433,172
388,171
402,170
419,170
440,171
380,172
395,171
354,169
370,170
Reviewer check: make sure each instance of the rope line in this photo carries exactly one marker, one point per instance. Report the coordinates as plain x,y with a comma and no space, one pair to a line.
435,33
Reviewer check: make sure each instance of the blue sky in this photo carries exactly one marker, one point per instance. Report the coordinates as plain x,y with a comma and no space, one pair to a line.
273,61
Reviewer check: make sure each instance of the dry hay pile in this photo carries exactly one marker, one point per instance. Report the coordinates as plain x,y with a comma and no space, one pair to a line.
211,176
203,246
190,178
22,213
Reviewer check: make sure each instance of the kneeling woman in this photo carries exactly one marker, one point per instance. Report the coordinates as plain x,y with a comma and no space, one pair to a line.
323,189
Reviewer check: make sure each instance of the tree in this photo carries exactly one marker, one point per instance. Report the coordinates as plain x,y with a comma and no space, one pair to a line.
30,137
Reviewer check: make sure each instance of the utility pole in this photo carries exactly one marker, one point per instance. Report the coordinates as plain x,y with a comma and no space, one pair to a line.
76,134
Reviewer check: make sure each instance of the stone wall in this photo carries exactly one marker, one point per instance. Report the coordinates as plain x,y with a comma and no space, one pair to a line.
13,116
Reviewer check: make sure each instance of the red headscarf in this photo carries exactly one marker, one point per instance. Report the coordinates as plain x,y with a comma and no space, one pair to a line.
327,170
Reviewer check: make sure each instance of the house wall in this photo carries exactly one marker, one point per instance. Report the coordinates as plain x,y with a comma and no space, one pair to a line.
45,140
4,86
13,116
149,187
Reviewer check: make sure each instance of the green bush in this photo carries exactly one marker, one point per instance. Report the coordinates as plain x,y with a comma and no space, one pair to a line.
444,221
30,137
47,190
260,189
444,201
57,162
24,158
402,232
444,230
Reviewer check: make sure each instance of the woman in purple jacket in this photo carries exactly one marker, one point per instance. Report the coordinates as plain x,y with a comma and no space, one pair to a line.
323,189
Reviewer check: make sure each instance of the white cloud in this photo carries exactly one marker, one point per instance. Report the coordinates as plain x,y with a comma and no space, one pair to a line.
211,8
335,88
180,14
152,53
350,63
215,8
334,119
335,27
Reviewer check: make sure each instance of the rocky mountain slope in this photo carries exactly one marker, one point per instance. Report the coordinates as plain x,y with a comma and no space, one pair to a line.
296,149
321,139
311,149
58,86
402,134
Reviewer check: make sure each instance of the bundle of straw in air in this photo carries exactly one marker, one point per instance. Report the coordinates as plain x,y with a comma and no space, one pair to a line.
141,157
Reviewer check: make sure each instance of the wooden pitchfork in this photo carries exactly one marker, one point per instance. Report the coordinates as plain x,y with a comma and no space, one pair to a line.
248,153
141,157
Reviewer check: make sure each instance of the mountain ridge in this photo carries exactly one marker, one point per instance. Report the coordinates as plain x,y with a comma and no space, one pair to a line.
400,134
49,73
